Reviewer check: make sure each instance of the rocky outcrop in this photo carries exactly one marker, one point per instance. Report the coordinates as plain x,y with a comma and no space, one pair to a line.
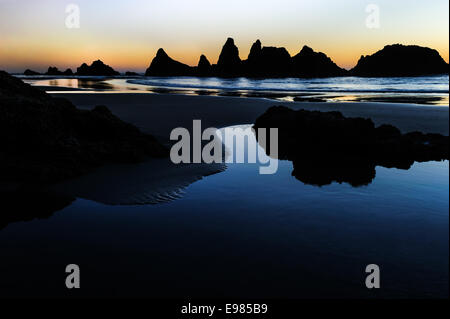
25,204
204,67
163,65
46,139
401,60
129,73
309,64
255,51
97,68
326,146
30,72
229,63
261,62
55,71
267,62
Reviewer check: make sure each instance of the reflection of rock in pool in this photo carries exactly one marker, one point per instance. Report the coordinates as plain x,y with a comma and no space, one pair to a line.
327,147
25,204
320,173
154,181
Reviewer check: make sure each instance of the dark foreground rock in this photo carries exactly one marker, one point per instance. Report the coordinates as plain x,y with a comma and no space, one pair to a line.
326,146
25,204
401,60
97,68
45,139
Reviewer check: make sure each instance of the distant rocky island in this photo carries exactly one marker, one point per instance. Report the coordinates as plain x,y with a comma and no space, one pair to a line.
97,68
401,60
272,62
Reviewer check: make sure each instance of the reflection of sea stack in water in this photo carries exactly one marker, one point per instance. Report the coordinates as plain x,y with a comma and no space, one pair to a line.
326,146
401,60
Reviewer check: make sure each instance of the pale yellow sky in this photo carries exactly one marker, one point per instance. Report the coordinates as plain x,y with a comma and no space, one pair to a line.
127,34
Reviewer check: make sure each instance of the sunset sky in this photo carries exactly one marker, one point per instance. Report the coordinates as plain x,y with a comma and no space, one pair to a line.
127,34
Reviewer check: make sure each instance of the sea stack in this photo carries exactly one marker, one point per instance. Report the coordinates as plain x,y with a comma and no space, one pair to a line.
401,60
267,61
204,67
308,64
97,68
163,65
229,63
55,71
30,72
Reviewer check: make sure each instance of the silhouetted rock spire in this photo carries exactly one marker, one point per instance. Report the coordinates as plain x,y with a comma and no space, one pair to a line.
163,65
267,61
229,63
255,51
204,67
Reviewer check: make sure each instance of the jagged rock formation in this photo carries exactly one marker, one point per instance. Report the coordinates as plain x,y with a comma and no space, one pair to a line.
55,71
267,62
255,51
204,67
401,60
46,139
30,72
163,65
261,62
229,63
308,63
394,60
97,68
326,146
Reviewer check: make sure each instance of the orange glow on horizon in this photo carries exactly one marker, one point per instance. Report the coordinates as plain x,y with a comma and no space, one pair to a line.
127,34
139,59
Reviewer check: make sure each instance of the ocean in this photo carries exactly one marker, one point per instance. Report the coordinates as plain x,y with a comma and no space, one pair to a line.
431,90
